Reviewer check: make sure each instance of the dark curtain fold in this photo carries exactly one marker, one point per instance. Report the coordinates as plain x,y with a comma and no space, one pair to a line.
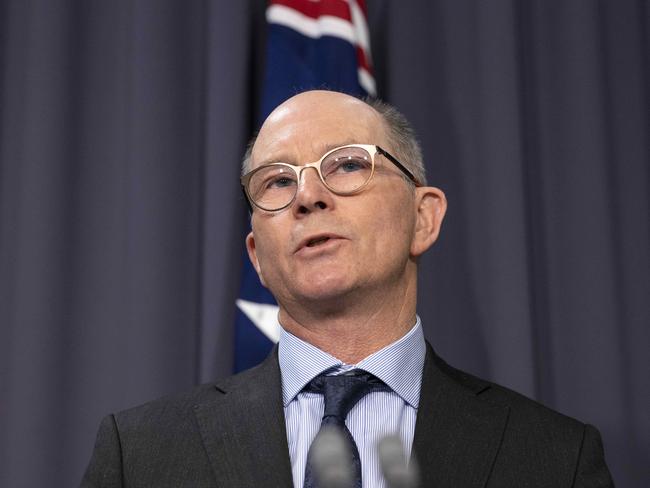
121,221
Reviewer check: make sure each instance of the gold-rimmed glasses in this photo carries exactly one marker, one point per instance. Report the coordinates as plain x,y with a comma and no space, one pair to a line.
345,170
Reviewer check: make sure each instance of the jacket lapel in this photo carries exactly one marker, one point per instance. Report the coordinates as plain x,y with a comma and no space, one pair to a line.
457,433
244,430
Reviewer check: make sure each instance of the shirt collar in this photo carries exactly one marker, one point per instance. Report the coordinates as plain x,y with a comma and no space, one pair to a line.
399,364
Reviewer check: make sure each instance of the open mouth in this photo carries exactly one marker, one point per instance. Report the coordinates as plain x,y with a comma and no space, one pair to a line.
314,241
317,241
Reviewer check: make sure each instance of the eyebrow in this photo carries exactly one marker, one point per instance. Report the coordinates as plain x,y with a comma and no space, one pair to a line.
323,148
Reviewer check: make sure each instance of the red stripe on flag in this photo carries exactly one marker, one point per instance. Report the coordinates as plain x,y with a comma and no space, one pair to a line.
335,8
363,61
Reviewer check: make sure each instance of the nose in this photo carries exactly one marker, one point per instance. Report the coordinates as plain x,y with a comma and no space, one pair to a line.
312,195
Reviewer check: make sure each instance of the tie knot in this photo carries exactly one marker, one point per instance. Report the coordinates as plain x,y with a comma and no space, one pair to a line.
342,392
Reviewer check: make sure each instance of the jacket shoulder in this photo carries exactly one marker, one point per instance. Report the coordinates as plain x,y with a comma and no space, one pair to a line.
175,404
179,405
525,412
538,444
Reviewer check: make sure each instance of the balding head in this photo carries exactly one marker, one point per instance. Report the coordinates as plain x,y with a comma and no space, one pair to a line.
309,120
396,131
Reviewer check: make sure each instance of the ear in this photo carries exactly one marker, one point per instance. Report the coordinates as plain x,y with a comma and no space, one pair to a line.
431,205
252,255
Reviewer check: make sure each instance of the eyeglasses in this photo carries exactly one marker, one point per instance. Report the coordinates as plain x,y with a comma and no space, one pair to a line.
345,170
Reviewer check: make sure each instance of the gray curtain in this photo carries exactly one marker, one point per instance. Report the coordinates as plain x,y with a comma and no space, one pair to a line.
121,222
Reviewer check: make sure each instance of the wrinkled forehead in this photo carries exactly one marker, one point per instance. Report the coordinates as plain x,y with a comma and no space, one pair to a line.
305,127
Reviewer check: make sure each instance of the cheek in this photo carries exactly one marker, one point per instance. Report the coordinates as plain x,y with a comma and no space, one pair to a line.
397,220
392,236
268,249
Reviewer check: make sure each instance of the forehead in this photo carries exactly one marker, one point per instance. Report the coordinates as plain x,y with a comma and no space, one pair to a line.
307,125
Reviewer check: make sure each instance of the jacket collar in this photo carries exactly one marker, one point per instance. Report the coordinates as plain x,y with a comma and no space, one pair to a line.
243,430
457,433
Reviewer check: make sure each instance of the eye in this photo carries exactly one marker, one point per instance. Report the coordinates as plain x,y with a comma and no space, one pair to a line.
279,181
349,164
271,178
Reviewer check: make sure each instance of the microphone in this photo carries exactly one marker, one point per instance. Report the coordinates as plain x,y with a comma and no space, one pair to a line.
397,472
331,459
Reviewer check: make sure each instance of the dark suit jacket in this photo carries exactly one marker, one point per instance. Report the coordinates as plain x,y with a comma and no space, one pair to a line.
469,433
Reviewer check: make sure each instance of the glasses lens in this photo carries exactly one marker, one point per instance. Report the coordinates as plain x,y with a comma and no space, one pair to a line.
347,169
272,187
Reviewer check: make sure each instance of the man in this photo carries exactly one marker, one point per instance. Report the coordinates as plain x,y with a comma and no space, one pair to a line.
340,215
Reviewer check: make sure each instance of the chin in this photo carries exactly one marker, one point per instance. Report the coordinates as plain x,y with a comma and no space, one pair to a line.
325,288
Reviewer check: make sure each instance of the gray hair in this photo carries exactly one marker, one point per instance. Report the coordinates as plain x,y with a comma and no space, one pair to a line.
401,138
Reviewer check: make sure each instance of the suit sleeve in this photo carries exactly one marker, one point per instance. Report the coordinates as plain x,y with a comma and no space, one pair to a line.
105,467
592,471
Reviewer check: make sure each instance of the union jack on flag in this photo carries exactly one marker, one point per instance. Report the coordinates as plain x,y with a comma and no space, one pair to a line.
310,44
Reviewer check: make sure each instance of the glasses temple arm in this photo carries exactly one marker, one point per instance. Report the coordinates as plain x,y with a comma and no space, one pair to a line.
404,169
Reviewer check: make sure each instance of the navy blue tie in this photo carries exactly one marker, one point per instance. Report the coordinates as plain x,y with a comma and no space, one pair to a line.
341,394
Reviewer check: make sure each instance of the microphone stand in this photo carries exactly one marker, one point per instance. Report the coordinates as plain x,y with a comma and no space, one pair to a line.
332,467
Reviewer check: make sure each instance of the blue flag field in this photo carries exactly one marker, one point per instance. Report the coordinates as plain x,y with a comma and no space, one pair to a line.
310,44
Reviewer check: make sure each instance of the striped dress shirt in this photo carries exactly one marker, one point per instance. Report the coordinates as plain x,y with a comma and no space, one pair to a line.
377,415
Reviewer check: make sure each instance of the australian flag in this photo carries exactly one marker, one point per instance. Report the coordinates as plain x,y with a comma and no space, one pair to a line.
310,44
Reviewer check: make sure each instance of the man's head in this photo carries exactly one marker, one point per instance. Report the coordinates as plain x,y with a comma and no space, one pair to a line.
327,249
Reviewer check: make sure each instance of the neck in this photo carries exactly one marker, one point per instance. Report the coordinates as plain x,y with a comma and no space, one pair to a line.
356,327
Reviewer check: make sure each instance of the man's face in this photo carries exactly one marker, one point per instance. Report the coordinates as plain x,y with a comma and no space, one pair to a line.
324,247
